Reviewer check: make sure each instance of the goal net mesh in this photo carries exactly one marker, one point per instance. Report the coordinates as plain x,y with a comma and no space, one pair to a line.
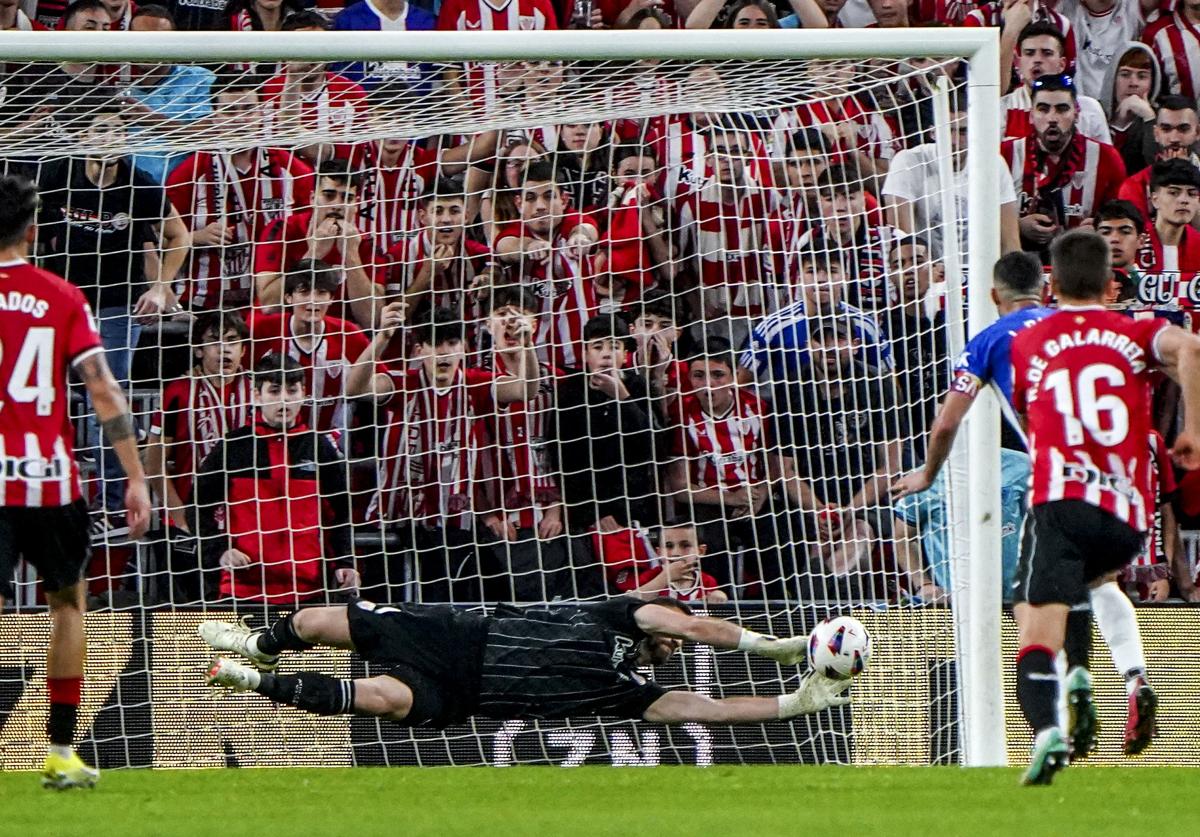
733,275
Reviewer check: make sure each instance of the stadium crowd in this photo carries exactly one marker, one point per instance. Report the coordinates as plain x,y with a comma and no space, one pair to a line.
685,354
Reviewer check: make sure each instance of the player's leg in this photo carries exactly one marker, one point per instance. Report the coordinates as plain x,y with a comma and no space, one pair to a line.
1081,707
1117,621
320,694
297,631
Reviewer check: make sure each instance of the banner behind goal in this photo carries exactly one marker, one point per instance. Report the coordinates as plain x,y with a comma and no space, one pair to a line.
742,268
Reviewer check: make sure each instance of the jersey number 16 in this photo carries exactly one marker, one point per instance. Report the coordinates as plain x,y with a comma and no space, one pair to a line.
1104,417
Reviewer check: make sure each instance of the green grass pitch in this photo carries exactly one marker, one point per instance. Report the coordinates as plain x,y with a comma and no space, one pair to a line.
534,801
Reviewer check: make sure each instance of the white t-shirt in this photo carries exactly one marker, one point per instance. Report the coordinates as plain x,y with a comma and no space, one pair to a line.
914,177
1101,39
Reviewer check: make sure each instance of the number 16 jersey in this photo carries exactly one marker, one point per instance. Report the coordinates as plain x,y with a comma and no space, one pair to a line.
1081,377
45,328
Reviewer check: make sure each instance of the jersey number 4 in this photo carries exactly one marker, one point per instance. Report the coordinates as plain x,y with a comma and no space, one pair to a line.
33,372
1103,417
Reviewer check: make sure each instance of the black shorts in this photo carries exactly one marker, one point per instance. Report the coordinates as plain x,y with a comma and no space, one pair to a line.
1065,546
56,540
435,650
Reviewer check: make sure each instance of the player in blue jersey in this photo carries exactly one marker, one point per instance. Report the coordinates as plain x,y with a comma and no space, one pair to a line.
919,496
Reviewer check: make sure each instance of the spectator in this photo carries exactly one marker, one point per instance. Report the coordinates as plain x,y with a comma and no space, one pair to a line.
429,469
1060,176
530,549
723,469
327,231
1174,40
1169,256
198,410
636,247
260,15
655,332
581,166
485,81
12,18
1130,86
723,233
98,215
498,190
776,353
164,99
392,78
604,434
1176,133
309,99
1014,15
437,267
1122,226
228,199
677,572
845,228
913,192
754,14
603,294
1109,27
1040,52
889,14
917,338
120,14
550,245
324,347
843,440
274,532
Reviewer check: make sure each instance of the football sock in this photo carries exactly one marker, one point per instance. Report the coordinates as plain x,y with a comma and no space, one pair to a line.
1037,686
64,709
279,637
1117,621
1078,641
310,691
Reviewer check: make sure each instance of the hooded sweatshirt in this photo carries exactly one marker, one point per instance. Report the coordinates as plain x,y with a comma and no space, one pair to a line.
1132,139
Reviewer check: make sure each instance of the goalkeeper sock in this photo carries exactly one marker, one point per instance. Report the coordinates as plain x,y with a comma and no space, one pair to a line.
280,636
310,691
1037,686
1078,640
1117,621
64,709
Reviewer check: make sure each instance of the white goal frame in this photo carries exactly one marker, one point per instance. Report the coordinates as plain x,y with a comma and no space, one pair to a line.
977,600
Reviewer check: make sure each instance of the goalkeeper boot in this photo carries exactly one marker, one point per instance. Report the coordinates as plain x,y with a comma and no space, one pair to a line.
232,675
235,637
61,772
1142,724
1081,713
1050,755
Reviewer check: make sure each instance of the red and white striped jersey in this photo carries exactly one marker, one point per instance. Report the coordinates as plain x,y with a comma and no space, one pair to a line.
680,150
46,328
326,364
1097,179
552,278
390,195
197,412
1167,275
520,433
209,187
875,137
563,331
429,472
1175,41
728,242
448,287
1081,377
1161,486
482,80
336,109
722,451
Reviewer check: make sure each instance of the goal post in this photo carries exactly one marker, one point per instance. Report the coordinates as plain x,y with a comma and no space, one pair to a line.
976,559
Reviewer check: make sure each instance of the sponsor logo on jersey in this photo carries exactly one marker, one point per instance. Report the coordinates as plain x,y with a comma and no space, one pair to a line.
33,468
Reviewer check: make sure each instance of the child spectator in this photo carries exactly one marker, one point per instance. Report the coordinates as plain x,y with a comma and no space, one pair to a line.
677,572
636,247
274,512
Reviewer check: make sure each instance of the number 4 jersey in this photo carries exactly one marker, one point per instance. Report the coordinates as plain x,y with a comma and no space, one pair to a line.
1081,378
45,327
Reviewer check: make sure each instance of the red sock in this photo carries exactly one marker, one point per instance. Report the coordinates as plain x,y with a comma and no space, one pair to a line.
64,709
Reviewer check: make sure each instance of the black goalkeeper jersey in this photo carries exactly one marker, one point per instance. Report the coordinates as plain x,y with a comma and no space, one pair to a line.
549,662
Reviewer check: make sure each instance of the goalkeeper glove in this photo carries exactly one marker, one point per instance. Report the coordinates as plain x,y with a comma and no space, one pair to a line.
816,692
786,651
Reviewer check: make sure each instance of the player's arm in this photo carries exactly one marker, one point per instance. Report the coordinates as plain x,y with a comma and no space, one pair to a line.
1178,354
663,620
815,693
112,411
950,415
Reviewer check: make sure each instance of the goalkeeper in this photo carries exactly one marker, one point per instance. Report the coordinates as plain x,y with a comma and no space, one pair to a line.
443,665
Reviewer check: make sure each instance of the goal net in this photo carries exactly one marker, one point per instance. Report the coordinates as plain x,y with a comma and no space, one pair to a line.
743,284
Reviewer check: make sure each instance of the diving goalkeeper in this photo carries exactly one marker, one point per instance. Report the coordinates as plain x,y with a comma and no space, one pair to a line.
443,665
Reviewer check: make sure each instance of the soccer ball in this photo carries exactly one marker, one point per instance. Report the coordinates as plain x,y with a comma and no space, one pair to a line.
839,648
